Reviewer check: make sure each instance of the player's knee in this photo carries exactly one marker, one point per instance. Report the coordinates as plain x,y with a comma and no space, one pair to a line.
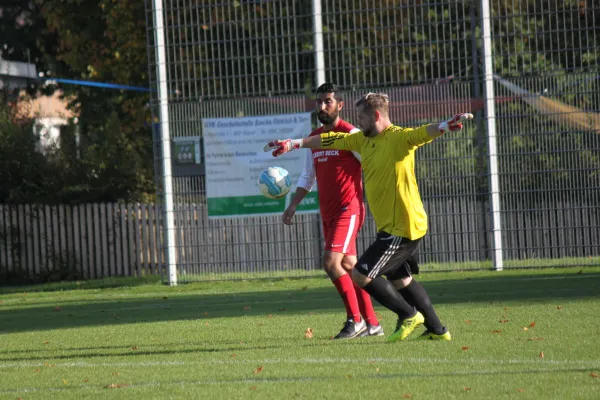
402,282
360,279
347,265
333,268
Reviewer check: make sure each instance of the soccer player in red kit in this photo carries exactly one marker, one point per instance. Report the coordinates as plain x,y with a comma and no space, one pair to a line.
339,175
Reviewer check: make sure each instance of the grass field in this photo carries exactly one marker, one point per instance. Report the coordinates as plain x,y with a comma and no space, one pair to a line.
529,334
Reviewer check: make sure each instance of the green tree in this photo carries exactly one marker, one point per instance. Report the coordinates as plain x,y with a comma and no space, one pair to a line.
106,43
23,169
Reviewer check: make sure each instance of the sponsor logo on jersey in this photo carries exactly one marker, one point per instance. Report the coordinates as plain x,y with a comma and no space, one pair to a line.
326,153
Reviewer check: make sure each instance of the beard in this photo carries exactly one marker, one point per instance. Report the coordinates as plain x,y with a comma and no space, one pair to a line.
326,119
369,131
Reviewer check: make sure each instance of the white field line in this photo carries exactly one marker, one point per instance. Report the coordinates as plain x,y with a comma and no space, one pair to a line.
288,380
591,363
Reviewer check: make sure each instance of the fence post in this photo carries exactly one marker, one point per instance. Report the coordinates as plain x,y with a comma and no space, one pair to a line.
490,111
318,42
163,98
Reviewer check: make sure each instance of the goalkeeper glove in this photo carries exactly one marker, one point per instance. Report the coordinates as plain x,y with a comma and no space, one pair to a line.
455,123
280,147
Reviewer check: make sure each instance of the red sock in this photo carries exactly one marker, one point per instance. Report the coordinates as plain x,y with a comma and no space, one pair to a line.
345,288
365,306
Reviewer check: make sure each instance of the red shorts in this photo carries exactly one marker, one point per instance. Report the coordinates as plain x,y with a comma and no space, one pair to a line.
340,232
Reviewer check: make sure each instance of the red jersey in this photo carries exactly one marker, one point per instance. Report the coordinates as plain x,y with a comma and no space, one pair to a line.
339,176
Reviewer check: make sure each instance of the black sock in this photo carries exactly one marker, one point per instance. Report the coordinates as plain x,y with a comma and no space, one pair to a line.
385,293
415,294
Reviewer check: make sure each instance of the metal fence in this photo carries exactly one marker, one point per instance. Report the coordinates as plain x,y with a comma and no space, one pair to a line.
520,186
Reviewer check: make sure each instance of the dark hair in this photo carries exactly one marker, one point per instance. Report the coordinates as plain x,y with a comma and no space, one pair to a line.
329,87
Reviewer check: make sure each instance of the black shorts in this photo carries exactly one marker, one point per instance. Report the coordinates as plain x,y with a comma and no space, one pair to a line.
391,256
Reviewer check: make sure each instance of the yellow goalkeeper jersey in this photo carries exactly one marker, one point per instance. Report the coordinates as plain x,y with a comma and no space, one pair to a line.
388,163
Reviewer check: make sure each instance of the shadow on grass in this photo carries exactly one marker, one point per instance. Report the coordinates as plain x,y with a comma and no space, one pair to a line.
105,283
43,314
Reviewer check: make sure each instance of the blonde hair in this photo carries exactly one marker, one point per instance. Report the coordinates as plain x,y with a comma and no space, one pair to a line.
375,101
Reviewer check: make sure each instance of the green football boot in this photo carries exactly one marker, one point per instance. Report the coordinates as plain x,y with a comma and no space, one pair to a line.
406,327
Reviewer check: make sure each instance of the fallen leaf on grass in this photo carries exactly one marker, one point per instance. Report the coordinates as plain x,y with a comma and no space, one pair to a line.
258,370
497,331
64,381
593,375
206,324
116,385
541,354
520,390
252,387
468,322
37,370
233,355
1,302
270,316
531,325
116,373
260,324
467,389
559,307
135,348
309,333
86,380
406,396
525,328
503,321
464,348
349,376
46,342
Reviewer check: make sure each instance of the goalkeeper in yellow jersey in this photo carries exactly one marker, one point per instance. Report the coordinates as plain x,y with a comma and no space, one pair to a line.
388,159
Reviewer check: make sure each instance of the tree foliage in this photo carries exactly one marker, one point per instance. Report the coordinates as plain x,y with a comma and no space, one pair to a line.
104,43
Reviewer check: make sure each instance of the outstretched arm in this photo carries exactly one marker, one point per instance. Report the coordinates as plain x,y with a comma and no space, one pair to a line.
427,133
452,125
280,147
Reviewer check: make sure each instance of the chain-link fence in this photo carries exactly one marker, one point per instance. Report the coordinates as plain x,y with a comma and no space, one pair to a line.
249,58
